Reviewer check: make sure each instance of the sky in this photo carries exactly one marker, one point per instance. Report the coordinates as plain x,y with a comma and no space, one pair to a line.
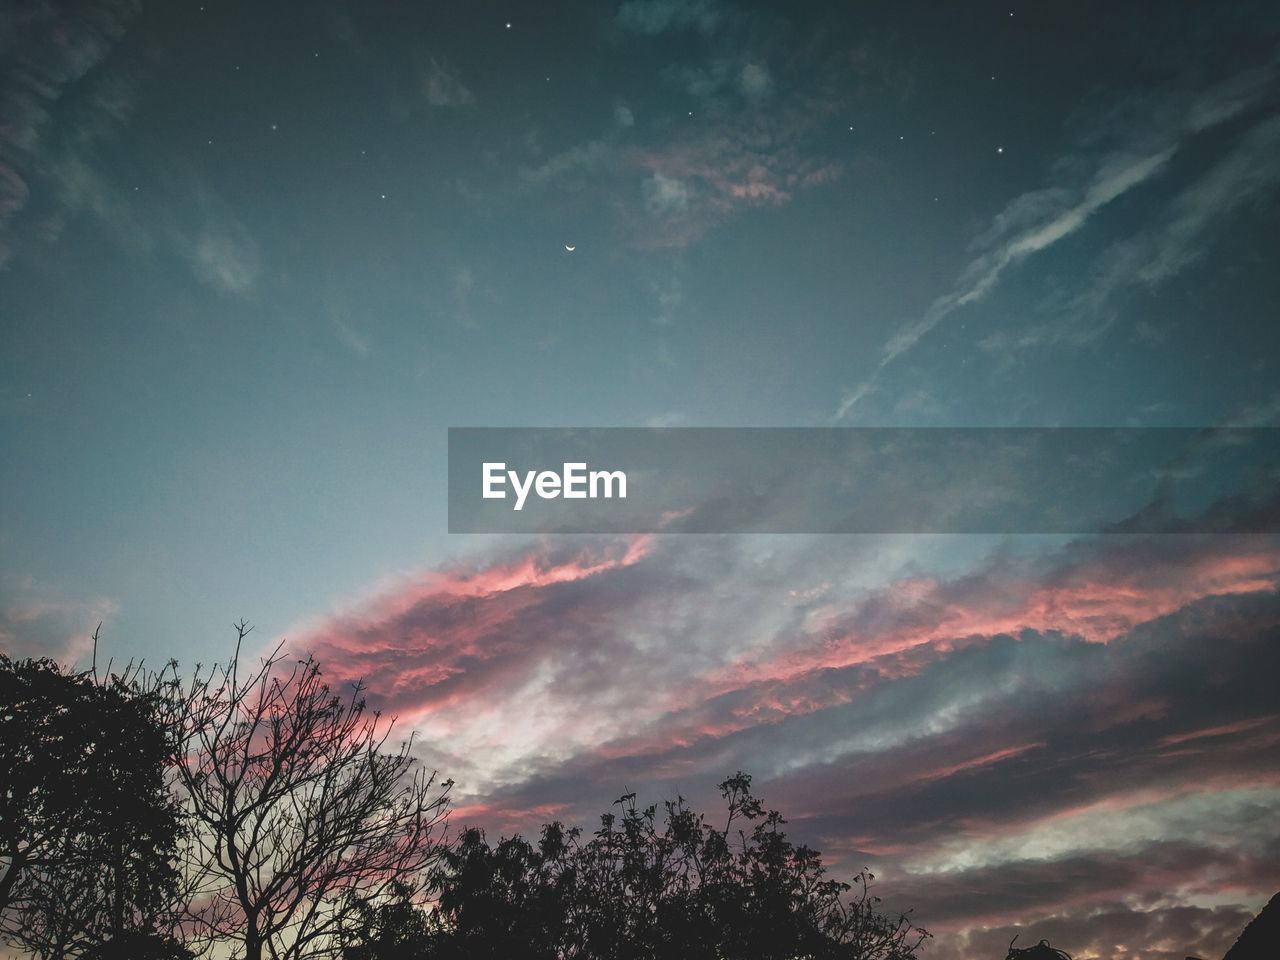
255,259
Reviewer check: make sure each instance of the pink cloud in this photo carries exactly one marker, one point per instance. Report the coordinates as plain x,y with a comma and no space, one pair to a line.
921,710
1098,600
37,622
708,177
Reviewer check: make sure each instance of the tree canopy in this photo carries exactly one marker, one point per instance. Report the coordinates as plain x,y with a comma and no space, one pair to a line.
642,886
88,828
254,809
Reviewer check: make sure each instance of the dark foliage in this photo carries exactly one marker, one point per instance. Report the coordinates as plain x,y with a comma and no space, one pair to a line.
1041,951
88,828
1260,940
138,945
155,817
641,887
396,927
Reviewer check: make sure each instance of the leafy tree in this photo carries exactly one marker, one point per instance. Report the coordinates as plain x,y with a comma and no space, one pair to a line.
644,887
514,899
395,927
299,809
88,829
139,945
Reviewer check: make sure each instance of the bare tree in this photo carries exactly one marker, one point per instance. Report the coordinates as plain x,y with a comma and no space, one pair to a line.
299,809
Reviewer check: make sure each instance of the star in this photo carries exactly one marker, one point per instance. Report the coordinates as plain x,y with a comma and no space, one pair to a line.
999,149
275,126
508,24
384,196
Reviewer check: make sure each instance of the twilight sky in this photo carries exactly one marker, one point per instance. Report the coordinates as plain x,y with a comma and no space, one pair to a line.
256,258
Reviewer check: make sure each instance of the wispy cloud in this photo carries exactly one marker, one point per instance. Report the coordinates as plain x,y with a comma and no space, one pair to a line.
691,185
670,194
580,157
1038,220
1154,255
50,51
652,17
443,88
350,338
48,170
752,144
1151,929
665,196
1037,717
755,81
226,261
36,620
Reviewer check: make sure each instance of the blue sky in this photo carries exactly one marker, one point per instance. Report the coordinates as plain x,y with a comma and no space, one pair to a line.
254,260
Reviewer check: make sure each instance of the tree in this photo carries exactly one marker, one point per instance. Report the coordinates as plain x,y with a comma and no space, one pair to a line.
394,927
88,830
300,810
641,888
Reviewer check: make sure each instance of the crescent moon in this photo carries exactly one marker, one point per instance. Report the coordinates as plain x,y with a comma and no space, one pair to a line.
570,247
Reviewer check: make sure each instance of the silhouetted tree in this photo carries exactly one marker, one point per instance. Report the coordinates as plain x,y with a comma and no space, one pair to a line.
514,899
394,927
642,888
88,829
139,945
1039,951
1261,936
300,810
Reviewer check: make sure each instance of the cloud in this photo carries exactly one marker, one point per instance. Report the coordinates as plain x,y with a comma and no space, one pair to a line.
670,185
1038,220
652,17
51,51
1030,224
227,261
665,195
1246,173
668,293
47,169
37,621
1154,255
749,78
694,184
672,418
987,739
350,338
755,82
443,88
581,157
1112,930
